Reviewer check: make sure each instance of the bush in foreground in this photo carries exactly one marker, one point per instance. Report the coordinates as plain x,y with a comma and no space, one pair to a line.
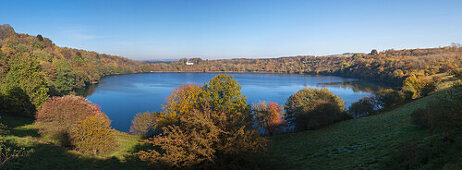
216,134
319,113
443,115
57,116
201,141
94,135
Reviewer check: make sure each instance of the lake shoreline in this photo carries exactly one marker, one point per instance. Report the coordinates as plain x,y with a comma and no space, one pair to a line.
124,95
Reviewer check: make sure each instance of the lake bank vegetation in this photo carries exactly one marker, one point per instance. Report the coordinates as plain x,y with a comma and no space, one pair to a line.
44,126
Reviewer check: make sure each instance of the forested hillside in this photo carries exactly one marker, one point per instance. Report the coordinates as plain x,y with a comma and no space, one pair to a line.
390,66
32,68
62,65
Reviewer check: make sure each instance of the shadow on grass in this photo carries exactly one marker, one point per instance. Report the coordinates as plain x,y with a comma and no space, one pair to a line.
47,156
16,121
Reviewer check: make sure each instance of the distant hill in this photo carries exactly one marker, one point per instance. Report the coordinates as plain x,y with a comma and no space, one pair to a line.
390,66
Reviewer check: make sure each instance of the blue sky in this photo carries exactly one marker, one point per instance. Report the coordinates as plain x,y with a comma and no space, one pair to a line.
173,29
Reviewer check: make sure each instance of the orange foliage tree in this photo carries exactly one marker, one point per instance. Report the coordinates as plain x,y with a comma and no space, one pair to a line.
269,117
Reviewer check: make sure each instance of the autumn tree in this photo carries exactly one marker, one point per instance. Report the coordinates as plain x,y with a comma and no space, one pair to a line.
182,100
268,117
94,135
223,94
201,141
214,134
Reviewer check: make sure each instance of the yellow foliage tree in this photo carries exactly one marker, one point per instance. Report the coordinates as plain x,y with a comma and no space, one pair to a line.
182,100
94,135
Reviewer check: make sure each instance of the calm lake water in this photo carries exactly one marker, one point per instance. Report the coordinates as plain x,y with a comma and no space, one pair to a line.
121,97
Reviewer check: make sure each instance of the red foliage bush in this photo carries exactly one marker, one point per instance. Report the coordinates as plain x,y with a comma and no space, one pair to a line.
57,116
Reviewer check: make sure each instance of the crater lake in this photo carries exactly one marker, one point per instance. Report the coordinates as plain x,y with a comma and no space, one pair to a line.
121,97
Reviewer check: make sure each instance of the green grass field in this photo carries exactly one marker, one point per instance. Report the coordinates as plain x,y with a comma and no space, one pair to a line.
44,155
354,144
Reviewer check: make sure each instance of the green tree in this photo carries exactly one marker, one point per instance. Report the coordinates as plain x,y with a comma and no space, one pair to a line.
223,94
318,113
24,87
39,37
302,98
365,106
374,52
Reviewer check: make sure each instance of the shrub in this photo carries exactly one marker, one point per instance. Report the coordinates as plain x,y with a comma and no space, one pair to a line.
216,133
390,98
303,98
268,117
363,107
10,153
444,115
57,116
201,141
319,113
94,135
420,86
144,123
429,86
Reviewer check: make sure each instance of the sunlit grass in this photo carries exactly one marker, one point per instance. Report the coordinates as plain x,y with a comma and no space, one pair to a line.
353,144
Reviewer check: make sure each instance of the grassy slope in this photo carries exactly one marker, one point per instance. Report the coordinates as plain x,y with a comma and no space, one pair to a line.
352,144
44,155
